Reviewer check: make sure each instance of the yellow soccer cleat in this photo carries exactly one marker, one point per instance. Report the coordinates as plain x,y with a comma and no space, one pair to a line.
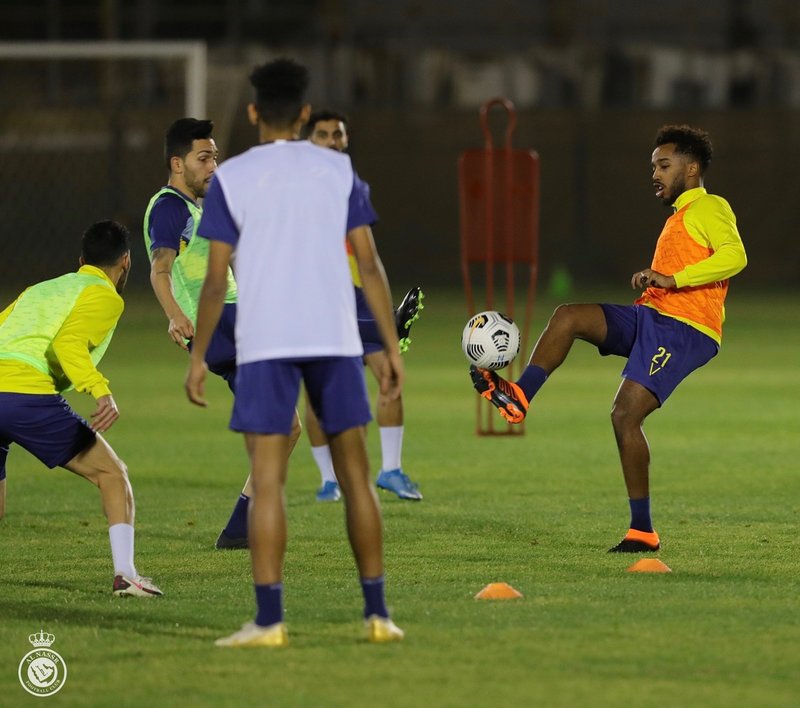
254,635
381,630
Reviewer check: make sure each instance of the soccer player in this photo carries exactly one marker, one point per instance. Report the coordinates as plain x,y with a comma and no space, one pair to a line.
281,208
178,266
329,129
51,339
674,328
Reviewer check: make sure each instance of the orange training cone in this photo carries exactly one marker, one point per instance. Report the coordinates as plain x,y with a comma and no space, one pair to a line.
498,591
649,565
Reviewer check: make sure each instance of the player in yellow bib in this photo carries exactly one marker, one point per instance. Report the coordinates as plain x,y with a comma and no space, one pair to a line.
51,339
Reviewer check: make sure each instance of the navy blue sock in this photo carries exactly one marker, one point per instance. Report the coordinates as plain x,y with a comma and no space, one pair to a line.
532,380
374,601
237,524
640,514
269,599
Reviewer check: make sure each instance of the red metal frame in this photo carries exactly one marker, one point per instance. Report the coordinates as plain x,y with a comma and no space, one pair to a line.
499,209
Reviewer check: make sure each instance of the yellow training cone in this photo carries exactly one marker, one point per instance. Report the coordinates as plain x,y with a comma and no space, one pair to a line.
498,591
649,565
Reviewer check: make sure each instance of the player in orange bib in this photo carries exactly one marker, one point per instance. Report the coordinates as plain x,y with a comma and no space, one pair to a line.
674,328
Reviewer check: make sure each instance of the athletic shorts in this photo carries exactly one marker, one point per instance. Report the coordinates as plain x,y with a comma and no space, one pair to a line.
661,350
45,425
267,391
367,325
221,353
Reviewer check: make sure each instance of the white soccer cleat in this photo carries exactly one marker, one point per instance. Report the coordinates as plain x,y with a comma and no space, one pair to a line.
254,635
382,629
135,587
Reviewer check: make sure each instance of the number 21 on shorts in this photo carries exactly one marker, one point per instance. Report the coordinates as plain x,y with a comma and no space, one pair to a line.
659,360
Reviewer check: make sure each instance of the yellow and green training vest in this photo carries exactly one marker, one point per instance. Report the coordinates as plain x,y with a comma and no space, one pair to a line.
28,332
191,264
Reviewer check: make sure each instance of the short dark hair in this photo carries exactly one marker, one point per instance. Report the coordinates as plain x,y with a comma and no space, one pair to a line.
688,141
182,133
323,115
104,243
280,88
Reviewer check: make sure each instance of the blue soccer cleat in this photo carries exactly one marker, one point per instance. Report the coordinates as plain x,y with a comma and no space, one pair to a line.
398,482
329,492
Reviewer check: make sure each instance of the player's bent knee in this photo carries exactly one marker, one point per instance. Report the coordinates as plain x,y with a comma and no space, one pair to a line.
584,321
98,462
108,462
569,316
624,416
115,472
564,317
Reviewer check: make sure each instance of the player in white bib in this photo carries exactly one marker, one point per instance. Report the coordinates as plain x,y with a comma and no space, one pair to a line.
278,212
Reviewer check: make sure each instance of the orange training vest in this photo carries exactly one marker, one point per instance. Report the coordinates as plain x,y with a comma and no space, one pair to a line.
676,249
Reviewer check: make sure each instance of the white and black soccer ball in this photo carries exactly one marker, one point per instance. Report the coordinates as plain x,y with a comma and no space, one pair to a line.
490,340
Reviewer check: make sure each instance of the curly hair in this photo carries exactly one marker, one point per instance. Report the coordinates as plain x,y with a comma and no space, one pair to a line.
693,142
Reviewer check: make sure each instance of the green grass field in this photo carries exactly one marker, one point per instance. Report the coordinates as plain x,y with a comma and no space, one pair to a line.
537,511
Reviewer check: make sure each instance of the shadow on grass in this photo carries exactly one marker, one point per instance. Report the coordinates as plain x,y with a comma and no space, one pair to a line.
29,609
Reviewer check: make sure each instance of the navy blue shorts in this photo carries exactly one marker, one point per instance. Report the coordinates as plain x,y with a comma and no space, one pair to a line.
661,351
267,391
367,325
221,353
45,425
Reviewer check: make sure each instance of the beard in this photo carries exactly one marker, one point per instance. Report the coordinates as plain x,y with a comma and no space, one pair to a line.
677,188
196,185
123,279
